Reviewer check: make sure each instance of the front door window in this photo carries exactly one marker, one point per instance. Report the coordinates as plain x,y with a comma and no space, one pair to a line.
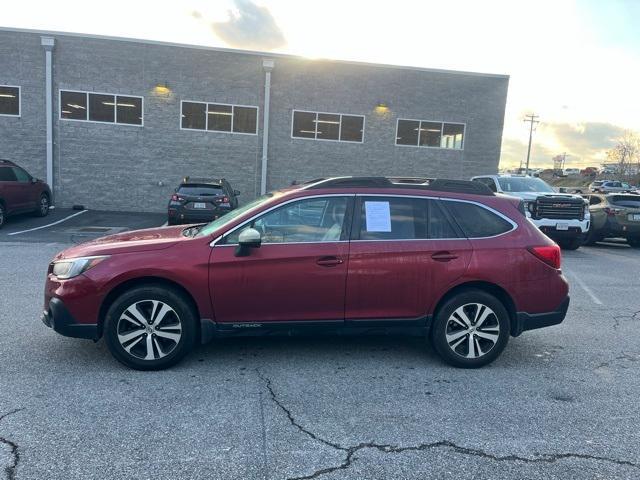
311,220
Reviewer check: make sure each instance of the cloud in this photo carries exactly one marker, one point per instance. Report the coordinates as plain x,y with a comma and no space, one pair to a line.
250,27
585,143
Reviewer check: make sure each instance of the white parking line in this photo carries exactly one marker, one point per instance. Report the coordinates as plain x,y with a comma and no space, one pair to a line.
50,224
595,299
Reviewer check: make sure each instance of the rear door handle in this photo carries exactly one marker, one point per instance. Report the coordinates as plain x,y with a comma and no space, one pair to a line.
329,261
444,256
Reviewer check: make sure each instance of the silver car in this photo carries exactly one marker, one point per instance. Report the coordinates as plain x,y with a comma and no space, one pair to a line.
612,186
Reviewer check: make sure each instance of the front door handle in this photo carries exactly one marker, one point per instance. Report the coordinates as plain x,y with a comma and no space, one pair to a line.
329,261
444,256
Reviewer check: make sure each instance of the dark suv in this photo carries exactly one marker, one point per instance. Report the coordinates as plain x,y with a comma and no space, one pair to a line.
447,260
21,193
200,200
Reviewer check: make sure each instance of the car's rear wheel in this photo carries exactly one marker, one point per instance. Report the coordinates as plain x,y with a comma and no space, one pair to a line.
43,206
150,328
471,329
2,215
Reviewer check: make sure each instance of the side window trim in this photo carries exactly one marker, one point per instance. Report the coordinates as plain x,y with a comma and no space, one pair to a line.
221,240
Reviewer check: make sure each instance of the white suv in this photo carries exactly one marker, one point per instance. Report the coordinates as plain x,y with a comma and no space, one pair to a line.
563,217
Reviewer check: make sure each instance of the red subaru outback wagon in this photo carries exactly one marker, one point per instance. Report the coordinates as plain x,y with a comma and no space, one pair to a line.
447,260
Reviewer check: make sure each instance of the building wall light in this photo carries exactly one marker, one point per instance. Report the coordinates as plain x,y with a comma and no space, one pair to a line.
381,108
162,89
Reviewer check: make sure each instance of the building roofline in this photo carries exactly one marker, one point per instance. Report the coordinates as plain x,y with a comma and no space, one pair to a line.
247,52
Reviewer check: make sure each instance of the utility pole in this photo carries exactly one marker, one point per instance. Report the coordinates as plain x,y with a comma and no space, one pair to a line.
532,118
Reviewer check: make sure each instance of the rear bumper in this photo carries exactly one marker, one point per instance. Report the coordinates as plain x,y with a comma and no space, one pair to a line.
60,319
531,321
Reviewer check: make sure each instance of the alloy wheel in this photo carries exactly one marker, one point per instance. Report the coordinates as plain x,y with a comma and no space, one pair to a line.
1,215
472,330
149,329
44,205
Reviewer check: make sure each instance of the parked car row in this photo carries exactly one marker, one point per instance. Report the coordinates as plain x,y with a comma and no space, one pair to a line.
21,193
563,217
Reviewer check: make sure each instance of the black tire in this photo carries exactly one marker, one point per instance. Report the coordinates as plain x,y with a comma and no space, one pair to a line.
3,215
634,242
571,244
180,320
592,237
444,325
43,206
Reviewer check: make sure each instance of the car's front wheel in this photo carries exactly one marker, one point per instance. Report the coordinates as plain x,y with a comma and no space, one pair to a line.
471,329
43,205
150,327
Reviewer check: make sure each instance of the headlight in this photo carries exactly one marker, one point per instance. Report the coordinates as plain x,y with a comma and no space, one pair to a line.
529,208
73,267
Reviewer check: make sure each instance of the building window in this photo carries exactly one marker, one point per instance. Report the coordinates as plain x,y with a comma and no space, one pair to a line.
219,117
101,107
9,100
337,127
423,133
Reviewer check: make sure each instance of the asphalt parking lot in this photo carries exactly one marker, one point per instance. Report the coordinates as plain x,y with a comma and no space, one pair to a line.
560,403
64,225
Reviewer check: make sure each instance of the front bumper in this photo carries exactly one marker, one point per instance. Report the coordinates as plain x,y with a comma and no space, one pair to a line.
184,215
531,321
58,317
550,225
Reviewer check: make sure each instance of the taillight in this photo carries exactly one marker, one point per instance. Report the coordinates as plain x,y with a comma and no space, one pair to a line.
549,254
222,199
176,198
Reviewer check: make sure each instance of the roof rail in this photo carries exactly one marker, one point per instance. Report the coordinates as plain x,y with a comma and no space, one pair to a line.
438,184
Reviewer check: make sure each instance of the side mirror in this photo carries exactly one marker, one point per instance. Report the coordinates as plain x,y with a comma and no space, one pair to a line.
34,180
248,239
236,192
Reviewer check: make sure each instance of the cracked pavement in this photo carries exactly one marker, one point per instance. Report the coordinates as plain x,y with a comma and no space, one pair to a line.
561,403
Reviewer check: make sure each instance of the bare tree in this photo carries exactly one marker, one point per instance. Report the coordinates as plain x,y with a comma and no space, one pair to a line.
626,154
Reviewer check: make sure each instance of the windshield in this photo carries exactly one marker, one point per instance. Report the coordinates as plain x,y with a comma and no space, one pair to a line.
524,184
209,228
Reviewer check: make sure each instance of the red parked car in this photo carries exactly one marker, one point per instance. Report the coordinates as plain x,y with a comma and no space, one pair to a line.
21,193
447,260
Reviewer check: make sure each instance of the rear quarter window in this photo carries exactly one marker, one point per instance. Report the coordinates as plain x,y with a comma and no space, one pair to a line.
476,221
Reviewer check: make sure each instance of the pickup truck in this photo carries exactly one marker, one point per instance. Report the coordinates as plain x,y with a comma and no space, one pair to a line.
562,217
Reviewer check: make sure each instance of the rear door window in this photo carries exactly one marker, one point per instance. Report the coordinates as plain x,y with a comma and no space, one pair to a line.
476,221
402,218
